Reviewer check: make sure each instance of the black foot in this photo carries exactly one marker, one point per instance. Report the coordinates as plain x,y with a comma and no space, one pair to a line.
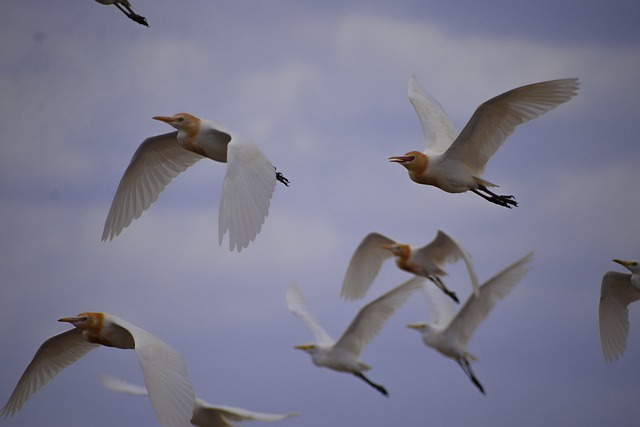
282,178
506,201
436,280
139,19
378,387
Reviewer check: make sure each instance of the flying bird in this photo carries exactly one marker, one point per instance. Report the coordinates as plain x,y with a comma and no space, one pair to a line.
246,191
426,261
204,414
165,375
455,162
449,332
125,7
617,291
343,355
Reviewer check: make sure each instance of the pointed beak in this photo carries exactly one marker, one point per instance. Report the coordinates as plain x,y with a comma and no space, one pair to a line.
416,326
624,263
302,347
400,159
386,247
165,119
71,320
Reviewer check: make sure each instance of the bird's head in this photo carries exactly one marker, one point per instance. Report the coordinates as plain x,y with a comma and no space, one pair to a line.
181,121
308,348
632,266
397,249
413,160
85,321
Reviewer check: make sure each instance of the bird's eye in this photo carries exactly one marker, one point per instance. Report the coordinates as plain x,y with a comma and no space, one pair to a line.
84,318
180,119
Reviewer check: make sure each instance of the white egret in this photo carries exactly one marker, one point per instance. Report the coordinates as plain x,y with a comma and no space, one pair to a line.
204,414
455,162
617,291
246,191
343,355
125,7
165,375
426,261
449,332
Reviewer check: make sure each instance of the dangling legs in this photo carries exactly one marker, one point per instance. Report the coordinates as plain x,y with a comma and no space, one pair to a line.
436,280
506,201
132,15
464,364
378,387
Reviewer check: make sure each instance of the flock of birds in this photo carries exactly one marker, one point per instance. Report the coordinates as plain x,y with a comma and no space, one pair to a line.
451,161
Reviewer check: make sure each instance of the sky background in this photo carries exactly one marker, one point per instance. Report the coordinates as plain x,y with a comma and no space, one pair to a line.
321,87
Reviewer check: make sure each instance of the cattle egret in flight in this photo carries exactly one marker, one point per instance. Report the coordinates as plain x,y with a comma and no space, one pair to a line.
449,333
617,291
204,414
426,261
454,162
163,369
246,191
343,355
125,7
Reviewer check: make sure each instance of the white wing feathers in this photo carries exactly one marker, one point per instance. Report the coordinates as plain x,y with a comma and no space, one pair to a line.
55,354
440,308
155,163
246,193
477,308
204,414
444,249
438,131
497,118
616,293
298,306
364,265
372,316
165,375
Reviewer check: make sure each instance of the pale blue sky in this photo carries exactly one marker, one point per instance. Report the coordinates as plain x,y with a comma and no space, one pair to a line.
322,89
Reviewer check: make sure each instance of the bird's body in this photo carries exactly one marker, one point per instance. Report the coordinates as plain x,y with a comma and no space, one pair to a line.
455,162
617,291
426,261
246,192
343,355
125,7
204,414
165,374
449,332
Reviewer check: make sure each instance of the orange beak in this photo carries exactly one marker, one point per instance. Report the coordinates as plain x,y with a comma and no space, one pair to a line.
165,119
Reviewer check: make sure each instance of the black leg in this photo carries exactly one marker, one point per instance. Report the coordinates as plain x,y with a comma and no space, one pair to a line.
436,280
464,364
378,387
132,15
506,201
282,178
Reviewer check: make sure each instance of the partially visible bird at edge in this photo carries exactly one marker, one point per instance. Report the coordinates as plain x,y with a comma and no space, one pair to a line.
125,7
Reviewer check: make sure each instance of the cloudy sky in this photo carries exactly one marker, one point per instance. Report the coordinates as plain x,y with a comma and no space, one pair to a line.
321,87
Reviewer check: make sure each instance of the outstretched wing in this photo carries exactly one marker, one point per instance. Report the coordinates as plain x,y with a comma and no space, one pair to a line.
298,306
155,163
52,357
616,293
372,316
364,265
477,308
232,413
497,118
438,130
165,376
246,193
444,249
